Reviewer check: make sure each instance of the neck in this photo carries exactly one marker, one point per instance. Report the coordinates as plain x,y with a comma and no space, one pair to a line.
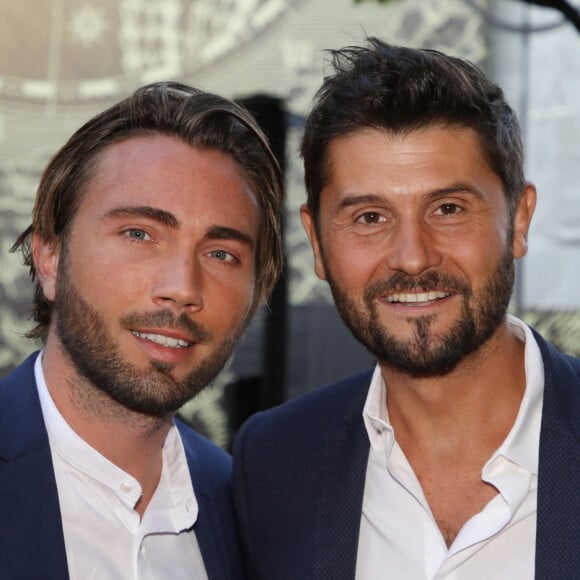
476,402
132,441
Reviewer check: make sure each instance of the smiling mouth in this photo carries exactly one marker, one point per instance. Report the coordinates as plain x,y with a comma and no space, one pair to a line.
163,340
420,298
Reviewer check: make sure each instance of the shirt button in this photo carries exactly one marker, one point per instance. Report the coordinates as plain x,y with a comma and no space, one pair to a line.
126,487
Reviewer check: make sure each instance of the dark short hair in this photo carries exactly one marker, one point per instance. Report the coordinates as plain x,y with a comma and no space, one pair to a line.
399,90
200,119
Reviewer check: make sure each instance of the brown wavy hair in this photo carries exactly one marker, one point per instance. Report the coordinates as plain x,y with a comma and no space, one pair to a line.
201,119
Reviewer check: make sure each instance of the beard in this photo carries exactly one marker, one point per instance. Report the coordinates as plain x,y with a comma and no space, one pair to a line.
96,357
425,354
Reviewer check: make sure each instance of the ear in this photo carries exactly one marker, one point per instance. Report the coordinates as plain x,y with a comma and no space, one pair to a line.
45,256
522,219
310,228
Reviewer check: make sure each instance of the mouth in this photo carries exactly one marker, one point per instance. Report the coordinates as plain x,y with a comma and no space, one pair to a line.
417,298
163,340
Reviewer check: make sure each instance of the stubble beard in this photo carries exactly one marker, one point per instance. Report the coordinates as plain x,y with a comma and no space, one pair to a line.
425,354
100,365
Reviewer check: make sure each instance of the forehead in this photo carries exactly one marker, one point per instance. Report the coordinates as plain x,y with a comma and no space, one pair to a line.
138,156
166,172
428,158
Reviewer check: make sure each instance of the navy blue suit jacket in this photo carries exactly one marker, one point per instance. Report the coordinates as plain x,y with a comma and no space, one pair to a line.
299,475
31,537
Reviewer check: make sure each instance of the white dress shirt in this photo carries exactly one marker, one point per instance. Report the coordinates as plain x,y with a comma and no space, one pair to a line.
105,538
399,538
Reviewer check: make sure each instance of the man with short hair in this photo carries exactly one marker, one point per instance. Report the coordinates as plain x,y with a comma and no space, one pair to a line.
155,236
458,456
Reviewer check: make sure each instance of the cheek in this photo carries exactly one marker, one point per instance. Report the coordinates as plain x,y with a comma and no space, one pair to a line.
352,267
228,298
99,277
475,260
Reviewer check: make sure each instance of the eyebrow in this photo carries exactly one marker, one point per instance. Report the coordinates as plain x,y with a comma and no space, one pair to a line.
153,213
459,187
353,200
226,233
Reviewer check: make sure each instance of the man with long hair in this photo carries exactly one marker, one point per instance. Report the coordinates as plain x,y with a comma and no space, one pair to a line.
155,236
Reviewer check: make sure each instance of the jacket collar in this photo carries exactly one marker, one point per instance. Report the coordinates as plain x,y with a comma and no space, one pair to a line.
342,477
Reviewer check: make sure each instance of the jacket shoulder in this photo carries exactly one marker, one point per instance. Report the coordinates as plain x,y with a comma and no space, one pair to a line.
20,412
314,412
293,465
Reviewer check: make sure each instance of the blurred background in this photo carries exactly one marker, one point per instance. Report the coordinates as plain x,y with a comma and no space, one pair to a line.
61,61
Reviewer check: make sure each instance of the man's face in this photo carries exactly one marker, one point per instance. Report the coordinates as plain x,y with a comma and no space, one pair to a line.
157,278
417,245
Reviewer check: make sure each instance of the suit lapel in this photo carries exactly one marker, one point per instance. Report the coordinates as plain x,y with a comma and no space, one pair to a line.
207,529
342,479
558,525
214,529
31,534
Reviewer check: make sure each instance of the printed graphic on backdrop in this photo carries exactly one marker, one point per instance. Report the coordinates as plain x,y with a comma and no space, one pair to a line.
69,50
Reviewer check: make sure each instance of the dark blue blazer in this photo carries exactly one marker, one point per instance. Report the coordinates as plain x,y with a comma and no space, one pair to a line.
31,537
299,475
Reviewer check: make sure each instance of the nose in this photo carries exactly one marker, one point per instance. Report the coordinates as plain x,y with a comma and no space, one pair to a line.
179,282
412,248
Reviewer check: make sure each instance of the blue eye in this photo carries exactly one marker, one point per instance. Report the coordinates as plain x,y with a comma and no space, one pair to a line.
137,234
222,255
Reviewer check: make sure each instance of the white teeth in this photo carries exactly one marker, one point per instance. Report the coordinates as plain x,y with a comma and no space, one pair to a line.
163,340
417,296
